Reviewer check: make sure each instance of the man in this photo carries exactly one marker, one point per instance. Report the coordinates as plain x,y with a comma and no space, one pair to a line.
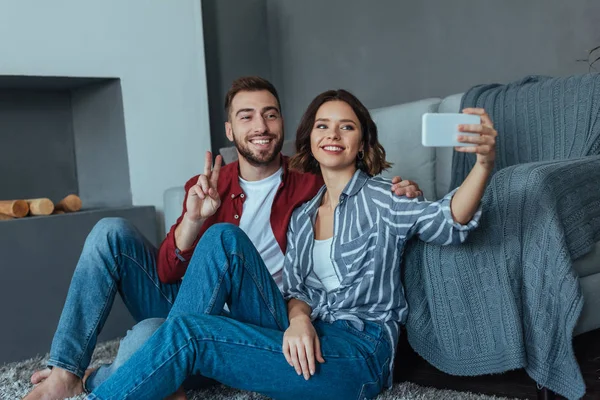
257,193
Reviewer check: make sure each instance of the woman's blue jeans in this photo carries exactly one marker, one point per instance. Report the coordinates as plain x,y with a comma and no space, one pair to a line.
244,349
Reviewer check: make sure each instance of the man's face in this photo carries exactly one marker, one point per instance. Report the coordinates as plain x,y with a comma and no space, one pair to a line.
255,126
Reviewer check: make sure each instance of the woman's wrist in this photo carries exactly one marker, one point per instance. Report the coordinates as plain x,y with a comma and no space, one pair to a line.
300,318
485,166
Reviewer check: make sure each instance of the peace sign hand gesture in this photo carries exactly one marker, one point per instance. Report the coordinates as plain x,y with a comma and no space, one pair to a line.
203,198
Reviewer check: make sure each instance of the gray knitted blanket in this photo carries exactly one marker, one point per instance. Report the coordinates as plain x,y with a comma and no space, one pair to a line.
509,298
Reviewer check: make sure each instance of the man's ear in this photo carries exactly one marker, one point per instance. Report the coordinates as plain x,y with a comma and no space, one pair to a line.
229,131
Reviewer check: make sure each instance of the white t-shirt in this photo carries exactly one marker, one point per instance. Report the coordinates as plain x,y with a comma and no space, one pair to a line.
256,221
323,267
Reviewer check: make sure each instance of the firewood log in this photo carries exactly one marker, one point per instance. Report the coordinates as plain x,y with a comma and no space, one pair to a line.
41,206
71,203
14,208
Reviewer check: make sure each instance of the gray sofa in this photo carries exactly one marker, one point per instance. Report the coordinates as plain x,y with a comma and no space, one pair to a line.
400,133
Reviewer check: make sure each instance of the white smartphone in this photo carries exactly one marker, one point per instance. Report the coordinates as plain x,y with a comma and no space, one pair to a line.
441,130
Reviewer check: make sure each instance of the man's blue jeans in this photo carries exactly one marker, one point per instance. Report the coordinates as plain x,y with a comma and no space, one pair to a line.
115,258
244,349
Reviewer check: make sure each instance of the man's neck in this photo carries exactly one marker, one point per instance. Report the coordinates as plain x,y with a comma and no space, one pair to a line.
335,181
252,173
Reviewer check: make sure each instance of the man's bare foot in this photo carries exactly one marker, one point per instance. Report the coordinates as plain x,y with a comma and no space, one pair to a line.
178,395
39,376
43,374
59,384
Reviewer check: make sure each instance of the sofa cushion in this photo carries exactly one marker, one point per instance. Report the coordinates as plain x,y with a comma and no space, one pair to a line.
450,104
229,154
399,128
173,203
443,155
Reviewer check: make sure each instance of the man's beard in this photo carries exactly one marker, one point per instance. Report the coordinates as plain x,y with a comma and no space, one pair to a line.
263,157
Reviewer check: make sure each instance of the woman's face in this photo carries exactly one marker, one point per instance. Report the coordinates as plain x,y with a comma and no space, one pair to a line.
336,137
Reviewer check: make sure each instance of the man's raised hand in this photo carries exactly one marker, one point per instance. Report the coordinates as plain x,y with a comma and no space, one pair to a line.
203,198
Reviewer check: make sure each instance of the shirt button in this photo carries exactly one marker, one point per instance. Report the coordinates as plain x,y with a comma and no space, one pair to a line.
242,195
236,216
232,195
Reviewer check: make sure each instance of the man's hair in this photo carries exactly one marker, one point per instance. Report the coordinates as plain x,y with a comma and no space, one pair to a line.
373,161
249,84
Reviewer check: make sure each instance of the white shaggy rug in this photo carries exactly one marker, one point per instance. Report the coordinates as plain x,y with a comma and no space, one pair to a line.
14,383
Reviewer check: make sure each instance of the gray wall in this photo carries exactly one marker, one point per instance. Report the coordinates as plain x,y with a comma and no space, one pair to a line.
37,156
236,43
389,52
155,47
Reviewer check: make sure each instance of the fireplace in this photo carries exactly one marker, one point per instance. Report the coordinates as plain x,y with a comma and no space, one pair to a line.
58,136
63,135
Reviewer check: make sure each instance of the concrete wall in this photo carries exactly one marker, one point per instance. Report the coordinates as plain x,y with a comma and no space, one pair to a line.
389,52
155,47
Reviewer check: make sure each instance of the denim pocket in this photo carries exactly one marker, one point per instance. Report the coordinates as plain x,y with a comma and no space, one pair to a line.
372,331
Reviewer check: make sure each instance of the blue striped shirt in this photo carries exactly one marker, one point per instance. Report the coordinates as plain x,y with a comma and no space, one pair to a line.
371,228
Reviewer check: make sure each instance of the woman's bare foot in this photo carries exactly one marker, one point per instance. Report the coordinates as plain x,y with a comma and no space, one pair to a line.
178,395
59,384
87,374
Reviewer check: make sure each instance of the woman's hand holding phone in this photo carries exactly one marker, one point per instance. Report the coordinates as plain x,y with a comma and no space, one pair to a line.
485,142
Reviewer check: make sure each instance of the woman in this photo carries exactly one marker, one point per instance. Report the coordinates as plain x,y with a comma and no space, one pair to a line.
340,324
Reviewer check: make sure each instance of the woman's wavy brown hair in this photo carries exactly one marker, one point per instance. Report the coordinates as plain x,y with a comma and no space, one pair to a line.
373,161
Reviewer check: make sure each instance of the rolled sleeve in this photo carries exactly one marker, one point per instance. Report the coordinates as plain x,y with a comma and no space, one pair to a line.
433,222
447,211
296,294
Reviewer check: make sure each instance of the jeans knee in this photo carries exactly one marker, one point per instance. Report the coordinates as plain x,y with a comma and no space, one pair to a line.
219,236
179,324
137,336
217,231
141,331
108,228
104,242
